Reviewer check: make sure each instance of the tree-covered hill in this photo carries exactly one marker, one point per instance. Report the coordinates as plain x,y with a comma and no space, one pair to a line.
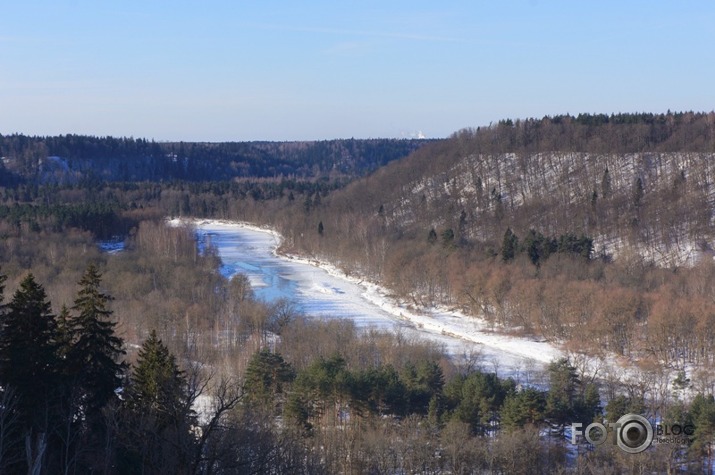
73,158
642,180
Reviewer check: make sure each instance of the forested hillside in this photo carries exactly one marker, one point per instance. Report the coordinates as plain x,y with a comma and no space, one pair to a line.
579,229
69,159
640,181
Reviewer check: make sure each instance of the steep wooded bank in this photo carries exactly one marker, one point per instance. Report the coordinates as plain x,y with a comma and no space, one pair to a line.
642,183
578,233
660,204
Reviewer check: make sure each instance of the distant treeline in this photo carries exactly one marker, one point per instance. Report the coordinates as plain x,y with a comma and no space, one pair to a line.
598,133
86,158
113,209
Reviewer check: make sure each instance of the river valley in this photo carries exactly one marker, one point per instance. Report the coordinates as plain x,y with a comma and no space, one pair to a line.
319,290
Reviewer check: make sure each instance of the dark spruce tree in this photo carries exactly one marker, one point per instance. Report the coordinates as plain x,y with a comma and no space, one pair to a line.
64,332
157,418
31,368
95,353
156,383
510,245
3,278
267,375
524,407
606,185
448,238
638,193
432,236
568,399
28,344
561,398
10,440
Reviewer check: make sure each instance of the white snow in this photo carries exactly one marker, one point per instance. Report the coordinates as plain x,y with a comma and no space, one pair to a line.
322,290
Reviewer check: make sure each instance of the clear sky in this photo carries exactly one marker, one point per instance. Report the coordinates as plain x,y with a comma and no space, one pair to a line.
229,70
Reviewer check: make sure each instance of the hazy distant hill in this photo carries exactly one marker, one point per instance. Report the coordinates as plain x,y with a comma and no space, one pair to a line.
70,158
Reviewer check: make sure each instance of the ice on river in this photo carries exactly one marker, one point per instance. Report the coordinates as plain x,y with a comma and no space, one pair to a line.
321,290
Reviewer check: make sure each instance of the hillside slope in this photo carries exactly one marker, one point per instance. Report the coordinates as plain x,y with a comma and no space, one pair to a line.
660,203
650,198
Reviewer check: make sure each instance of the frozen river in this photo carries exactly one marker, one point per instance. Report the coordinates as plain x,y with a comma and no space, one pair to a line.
322,291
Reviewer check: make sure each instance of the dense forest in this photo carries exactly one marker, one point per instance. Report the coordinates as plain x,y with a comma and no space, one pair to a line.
593,232
71,159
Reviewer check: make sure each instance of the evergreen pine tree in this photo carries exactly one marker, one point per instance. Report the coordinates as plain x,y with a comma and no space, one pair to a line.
510,245
462,229
606,184
622,405
524,407
562,395
30,369
432,236
533,246
497,199
638,194
96,349
3,278
702,414
157,417
266,375
589,404
157,384
28,352
447,238
64,333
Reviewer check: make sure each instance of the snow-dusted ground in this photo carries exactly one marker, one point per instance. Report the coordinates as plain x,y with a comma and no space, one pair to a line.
321,290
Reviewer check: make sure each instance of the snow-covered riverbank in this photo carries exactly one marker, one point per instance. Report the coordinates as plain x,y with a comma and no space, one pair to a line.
321,290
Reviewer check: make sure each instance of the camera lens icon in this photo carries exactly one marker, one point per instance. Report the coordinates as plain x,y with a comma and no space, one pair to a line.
634,434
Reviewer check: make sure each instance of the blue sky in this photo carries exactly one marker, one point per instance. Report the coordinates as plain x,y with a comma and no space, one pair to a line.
279,70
